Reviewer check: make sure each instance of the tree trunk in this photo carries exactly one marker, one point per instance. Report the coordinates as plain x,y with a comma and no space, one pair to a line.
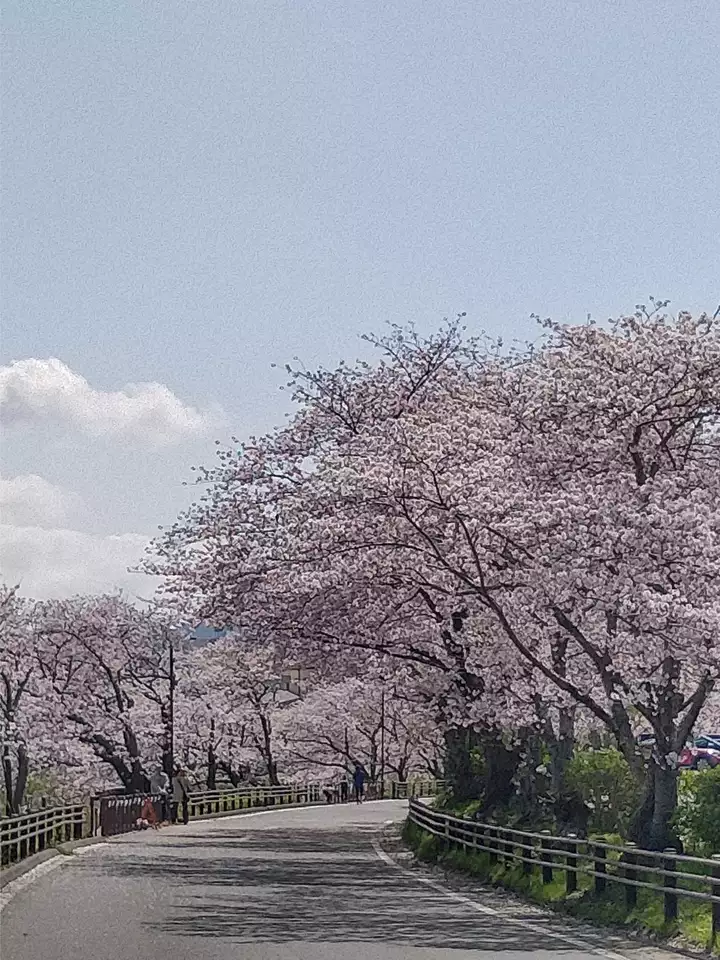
8,781
401,769
666,790
211,758
561,748
267,752
167,759
138,780
463,783
273,773
235,777
651,826
528,792
106,751
501,765
639,830
21,777
211,779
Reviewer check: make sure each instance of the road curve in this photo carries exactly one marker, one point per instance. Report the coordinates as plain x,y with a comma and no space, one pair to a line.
305,884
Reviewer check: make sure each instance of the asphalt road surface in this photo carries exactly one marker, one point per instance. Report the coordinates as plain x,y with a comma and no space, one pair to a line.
304,884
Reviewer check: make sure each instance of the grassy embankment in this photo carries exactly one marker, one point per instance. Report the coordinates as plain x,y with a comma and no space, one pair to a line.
608,909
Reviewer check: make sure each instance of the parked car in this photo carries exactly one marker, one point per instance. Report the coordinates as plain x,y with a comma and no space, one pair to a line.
701,754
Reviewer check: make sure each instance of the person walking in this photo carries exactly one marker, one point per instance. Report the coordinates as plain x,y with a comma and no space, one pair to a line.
160,787
359,777
180,795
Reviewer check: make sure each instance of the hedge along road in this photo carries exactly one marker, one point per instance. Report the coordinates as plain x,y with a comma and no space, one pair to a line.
306,884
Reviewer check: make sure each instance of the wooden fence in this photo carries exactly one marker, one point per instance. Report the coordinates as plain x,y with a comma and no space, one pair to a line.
30,833
667,873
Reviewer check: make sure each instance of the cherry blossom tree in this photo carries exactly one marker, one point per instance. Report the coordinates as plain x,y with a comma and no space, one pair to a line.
18,678
374,721
103,658
242,686
553,512
572,494
213,725
276,539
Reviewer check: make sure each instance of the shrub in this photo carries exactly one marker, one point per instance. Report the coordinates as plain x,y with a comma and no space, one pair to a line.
604,781
428,849
697,818
468,809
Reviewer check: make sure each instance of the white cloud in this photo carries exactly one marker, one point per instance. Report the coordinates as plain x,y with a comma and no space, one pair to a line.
34,391
31,500
60,563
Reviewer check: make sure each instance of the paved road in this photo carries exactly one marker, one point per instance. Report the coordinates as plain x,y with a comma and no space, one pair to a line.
293,885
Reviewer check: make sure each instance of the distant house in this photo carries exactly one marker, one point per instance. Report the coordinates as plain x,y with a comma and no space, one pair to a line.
295,680
203,634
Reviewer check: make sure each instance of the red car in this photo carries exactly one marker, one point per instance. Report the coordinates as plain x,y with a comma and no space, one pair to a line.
704,752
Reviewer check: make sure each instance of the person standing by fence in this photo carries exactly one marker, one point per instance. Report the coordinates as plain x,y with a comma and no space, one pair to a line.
160,786
181,793
359,782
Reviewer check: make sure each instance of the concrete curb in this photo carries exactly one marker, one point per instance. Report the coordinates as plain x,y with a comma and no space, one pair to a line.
17,870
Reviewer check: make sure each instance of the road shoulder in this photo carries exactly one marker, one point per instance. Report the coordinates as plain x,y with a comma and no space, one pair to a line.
511,908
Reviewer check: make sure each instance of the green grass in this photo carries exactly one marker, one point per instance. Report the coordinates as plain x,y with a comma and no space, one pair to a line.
607,909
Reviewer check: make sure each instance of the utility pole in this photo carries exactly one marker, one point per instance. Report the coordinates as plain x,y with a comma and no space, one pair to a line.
171,710
382,741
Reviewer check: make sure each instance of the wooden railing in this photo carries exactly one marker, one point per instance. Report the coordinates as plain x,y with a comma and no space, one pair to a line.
243,798
114,815
202,803
667,873
30,833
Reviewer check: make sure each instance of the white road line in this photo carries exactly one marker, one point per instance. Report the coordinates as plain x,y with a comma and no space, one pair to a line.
243,816
489,911
89,848
15,886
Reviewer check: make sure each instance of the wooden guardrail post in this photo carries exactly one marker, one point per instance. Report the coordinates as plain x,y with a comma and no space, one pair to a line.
670,900
490,834
600,867
527,851
546,856
476,832
502,846
715,906
630,874
509,848
571,864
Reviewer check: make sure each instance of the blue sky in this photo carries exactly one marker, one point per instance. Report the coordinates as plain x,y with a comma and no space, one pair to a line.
193,191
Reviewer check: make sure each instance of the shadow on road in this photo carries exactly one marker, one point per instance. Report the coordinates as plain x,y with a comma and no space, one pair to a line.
311,885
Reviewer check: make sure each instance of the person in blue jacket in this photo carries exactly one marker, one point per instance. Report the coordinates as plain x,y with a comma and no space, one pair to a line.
359,777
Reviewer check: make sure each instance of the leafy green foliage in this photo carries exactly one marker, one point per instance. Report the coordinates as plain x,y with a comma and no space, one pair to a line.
604,781
428,849
697,818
